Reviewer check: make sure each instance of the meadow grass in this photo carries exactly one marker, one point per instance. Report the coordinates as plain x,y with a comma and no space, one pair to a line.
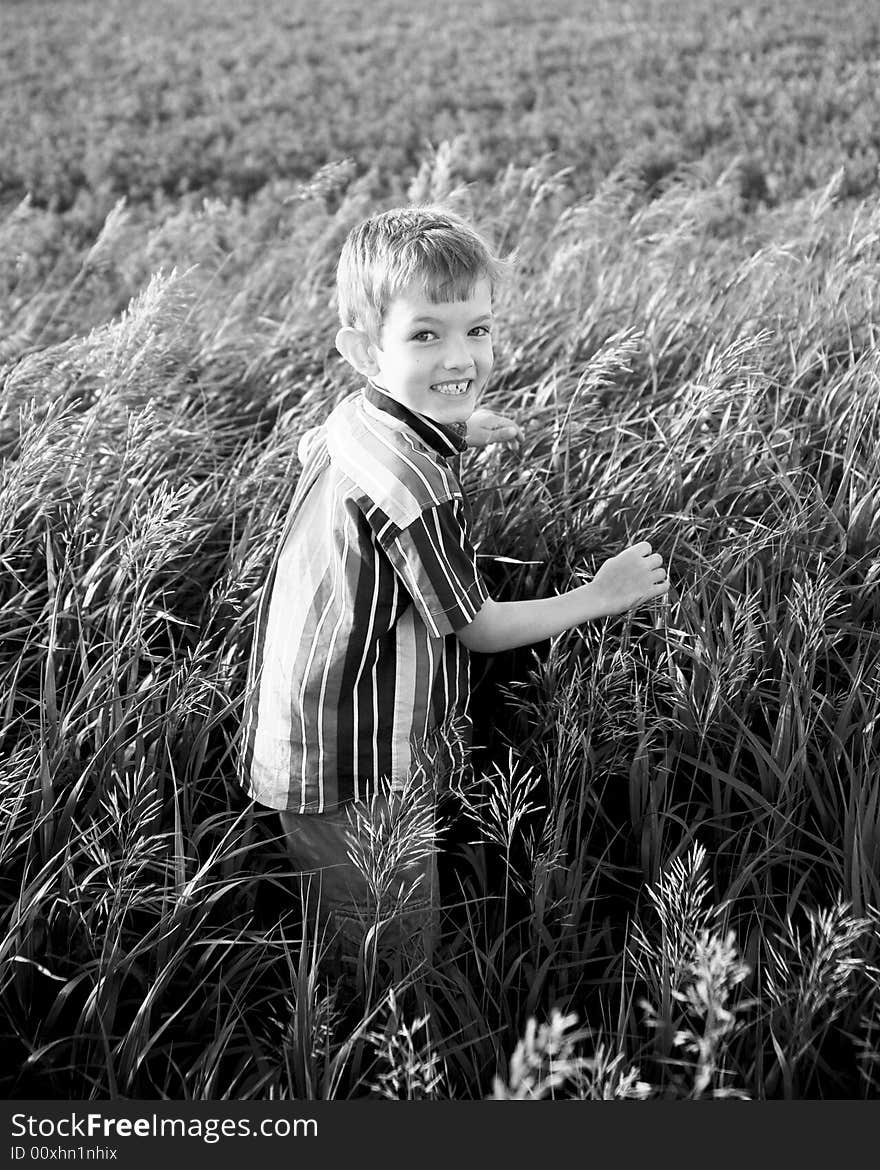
109,99
663,881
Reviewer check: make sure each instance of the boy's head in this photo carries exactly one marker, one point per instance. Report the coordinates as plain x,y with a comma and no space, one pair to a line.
415,292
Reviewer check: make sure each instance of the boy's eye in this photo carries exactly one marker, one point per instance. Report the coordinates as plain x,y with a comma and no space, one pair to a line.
481,331
424,335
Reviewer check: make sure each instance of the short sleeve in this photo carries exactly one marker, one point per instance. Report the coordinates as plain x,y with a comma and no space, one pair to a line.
307,444
438,566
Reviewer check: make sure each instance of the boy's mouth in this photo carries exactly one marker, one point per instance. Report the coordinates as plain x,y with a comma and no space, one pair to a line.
453,389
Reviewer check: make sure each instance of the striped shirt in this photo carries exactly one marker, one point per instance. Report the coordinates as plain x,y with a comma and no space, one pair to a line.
356,672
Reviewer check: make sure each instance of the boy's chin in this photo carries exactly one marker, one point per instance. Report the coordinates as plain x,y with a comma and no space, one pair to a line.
460,412
437,407
444,406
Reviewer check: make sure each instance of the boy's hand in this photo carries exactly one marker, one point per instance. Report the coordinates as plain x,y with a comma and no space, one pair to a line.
485,427
629,579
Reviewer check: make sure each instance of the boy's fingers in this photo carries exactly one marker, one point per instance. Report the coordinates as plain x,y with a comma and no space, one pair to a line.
499,422
656,593
504,434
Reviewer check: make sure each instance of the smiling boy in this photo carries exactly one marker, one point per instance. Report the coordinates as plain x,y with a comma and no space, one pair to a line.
360,671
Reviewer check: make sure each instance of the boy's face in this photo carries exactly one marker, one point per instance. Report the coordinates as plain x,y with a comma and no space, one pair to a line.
435,358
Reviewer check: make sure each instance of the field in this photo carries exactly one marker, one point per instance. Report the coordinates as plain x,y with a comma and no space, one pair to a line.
666,879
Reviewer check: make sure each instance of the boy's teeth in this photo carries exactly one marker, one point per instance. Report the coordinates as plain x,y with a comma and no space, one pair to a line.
452,387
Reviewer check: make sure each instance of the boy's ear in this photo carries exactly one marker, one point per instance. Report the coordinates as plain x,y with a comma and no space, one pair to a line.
357,349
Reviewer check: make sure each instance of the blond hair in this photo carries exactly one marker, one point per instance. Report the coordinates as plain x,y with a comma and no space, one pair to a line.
428,246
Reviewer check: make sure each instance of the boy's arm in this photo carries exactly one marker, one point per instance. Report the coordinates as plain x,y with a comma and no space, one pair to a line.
623,582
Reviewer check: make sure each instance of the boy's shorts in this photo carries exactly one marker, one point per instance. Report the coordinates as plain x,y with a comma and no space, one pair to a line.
385,902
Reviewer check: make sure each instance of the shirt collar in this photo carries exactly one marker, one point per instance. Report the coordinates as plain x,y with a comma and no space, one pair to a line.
444,439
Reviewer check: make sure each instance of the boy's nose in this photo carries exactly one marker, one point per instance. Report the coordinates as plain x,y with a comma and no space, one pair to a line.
458,357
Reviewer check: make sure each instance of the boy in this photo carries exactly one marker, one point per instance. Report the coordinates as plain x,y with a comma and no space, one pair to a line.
359,675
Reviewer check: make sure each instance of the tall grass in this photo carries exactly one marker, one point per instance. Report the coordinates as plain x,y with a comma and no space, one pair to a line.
663,881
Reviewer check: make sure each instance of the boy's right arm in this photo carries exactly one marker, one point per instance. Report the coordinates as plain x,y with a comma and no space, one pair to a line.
623,582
